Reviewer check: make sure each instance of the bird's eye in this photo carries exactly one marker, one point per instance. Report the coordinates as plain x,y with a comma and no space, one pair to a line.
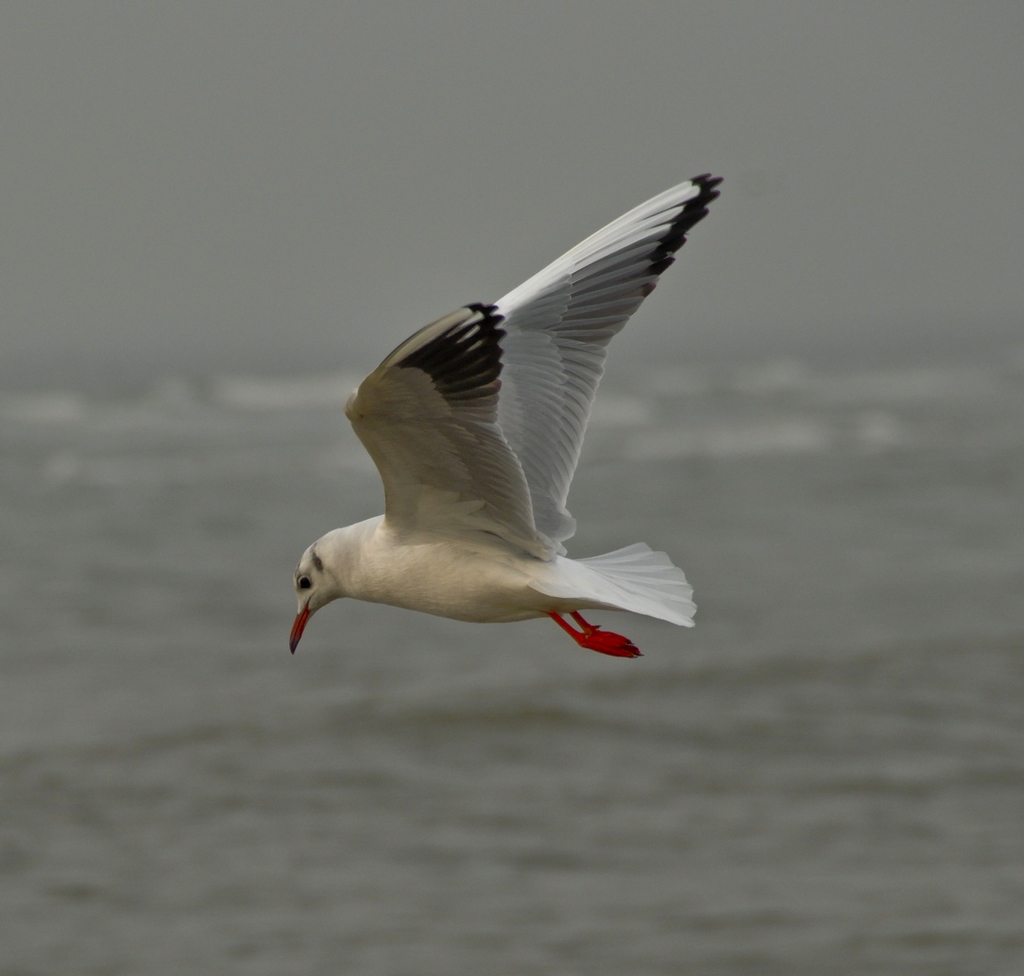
305,582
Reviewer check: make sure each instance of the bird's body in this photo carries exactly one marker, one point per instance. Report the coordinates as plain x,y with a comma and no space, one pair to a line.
475,424
477,579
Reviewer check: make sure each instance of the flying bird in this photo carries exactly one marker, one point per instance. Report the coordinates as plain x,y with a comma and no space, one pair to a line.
475,424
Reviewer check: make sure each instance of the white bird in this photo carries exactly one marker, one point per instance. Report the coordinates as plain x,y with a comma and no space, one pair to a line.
475,424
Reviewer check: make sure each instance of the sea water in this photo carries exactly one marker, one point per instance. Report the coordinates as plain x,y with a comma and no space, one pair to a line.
825,776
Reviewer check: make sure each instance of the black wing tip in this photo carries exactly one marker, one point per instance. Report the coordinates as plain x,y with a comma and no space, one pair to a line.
489,313
693,212
706,180
707,184
696,208
464,361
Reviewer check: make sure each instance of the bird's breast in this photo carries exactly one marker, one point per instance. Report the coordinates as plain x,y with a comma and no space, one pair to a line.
448,579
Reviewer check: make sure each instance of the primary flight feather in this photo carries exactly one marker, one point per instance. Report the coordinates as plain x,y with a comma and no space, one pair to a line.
475,424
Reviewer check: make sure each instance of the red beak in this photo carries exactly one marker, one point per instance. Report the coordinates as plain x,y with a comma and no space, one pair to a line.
301,619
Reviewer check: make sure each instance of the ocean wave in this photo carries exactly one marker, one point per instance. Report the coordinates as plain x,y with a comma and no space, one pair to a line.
913,383
291,393
617,410
736,439
69,467
49,409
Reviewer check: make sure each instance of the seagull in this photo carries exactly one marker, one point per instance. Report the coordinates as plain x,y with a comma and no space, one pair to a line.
475,424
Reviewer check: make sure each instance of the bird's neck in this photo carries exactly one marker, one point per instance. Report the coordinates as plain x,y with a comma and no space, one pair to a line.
344,552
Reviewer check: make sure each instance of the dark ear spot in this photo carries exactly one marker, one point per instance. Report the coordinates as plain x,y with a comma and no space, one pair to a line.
318,562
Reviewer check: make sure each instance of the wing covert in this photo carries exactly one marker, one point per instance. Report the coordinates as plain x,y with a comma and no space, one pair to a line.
428,418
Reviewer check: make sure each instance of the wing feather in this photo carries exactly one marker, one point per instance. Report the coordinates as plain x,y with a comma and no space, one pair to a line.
428,418
475,422
557,327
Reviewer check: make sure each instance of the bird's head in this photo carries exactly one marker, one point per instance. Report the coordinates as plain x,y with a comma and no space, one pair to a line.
313,590
325,571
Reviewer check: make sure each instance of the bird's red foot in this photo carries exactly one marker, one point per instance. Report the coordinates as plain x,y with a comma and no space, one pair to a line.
595,639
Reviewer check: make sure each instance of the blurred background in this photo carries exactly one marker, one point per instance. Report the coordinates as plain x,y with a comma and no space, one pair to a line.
217,217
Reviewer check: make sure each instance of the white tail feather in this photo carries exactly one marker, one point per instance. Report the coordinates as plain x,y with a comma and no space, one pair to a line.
636,578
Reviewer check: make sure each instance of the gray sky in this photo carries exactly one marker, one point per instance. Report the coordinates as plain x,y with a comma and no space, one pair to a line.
290,187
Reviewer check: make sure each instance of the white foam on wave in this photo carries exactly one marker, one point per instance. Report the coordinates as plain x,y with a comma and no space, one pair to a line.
678,381
292,393
618,410
170,399
774,378
74,467
733,439
910,384
771,377
44,408
876,431
119,471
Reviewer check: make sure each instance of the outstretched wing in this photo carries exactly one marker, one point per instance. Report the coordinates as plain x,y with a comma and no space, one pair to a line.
453,454
557,327
428,418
